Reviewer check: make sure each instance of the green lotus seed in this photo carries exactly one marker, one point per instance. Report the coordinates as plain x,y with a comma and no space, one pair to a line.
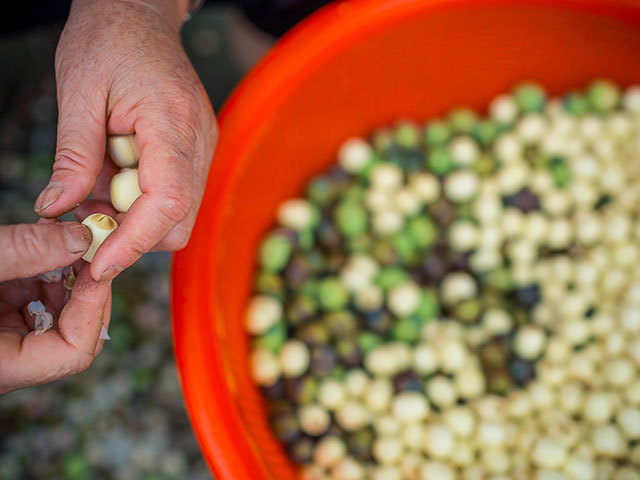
529,97
437,133
423,231
332,295
275,253
351,219
603,96
439,161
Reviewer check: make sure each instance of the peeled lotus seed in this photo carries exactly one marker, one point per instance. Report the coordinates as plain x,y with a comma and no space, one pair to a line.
294,358
125,189
265,367
101,227
263,312
122,149
354,155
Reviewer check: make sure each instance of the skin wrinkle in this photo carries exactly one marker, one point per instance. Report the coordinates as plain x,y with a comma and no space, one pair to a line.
69,160
26,243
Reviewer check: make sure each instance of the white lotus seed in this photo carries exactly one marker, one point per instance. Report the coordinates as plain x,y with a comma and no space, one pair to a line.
441,391
470,382
425,359
296,214
354,155
608,441
425,186
407,201
379,394
263,312
356,383
461,186
503,109
314,420
387,450
329,450
265,367
123,151
294,358
352,416
464,151
456,287
549,453
629,421
436,470
386,176
101,227
439,441
125,189
461,421
348,469
404,299
331,394
409,407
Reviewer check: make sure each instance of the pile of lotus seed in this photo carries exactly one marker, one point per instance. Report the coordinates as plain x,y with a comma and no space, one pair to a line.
461,299
124,190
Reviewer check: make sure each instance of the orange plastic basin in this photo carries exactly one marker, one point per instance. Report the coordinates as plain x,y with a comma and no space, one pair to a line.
347,69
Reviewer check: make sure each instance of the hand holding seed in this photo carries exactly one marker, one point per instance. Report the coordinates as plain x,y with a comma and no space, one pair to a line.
129,79
45,332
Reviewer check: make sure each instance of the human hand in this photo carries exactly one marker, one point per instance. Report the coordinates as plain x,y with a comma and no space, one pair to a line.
121,69
26,357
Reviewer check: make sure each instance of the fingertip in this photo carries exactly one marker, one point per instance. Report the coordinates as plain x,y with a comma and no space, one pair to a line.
50,195
96,273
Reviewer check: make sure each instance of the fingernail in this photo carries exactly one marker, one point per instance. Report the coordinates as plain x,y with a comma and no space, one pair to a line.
110,273
77,237
49,195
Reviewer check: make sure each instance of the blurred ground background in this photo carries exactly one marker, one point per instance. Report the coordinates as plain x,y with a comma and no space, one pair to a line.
123,418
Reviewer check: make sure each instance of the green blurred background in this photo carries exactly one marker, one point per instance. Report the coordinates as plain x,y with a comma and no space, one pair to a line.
123,418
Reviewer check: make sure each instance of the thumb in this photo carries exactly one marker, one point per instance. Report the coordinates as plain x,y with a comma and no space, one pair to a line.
80,148
29,249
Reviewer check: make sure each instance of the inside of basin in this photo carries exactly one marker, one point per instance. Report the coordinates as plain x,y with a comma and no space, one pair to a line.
396,64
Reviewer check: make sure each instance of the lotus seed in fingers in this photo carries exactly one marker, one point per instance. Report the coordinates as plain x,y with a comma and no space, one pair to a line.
123,151
101,227
125,189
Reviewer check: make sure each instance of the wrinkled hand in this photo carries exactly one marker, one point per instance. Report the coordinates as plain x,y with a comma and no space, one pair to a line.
26,358
121,69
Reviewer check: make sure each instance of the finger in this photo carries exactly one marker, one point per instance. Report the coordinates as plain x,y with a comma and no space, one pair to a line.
56,354
88,207
29,249
179,235
80,147
106,320
166,142
103,183
18,292
11,320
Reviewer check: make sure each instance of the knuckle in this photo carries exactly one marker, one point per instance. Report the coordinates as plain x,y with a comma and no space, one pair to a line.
69,159
82,361
177,241
136,248
174,206
28,243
